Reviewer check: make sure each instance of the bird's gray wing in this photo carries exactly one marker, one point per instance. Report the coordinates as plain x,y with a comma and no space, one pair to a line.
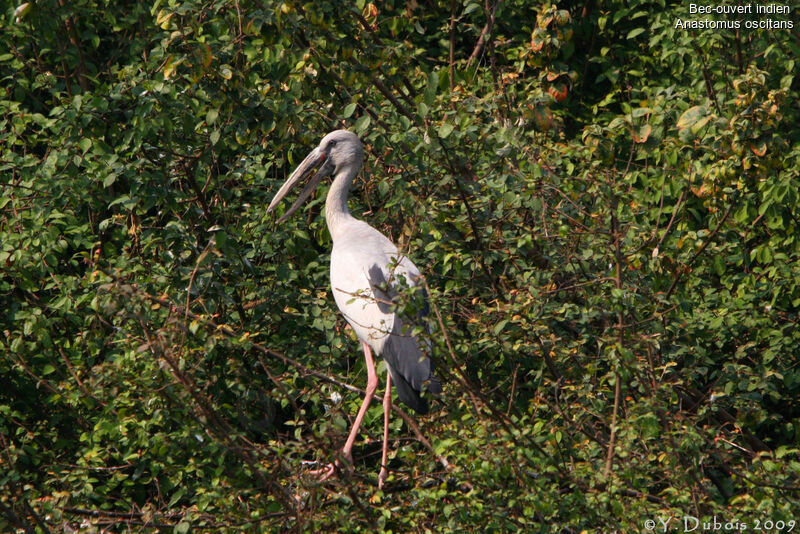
404,354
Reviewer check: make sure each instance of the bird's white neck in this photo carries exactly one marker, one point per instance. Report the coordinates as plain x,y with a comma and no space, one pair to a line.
336,212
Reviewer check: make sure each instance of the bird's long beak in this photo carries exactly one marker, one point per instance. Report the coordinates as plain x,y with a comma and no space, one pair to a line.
316,158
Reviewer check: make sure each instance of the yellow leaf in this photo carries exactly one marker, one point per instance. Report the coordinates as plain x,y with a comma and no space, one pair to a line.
207,56
170,66
370,11
21,11
759,150
643,133
162,19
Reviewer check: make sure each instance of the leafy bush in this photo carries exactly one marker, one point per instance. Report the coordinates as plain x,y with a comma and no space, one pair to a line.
604,205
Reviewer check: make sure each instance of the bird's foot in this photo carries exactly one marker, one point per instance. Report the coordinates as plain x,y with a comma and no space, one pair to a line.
330,470
444,462
324,473
382,476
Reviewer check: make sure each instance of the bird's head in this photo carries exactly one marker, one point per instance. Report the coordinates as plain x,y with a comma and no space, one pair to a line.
337,150
341,148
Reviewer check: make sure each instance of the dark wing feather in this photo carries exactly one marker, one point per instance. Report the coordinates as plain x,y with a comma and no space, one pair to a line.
410,367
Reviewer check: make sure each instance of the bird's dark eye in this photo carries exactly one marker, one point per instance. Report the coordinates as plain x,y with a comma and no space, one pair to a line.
332,144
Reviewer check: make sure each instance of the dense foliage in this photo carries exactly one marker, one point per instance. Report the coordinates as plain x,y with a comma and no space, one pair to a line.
605,207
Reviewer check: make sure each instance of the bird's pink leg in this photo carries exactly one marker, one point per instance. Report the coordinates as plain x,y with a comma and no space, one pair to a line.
387,406
372,384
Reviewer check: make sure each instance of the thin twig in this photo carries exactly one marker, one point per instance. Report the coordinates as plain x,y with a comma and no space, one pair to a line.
452,58
487,29
708,239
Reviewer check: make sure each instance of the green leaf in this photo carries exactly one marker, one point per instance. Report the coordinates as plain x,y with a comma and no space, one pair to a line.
432,88
349,109
634,32
499,327
445,130
120,200
689,117
470,8
176,497
362,124
719,265
214,137
211,116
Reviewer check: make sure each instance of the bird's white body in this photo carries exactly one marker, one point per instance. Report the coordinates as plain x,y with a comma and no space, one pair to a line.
352,261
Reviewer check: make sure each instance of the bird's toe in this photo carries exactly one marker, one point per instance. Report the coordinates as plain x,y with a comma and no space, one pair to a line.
382,476
324,473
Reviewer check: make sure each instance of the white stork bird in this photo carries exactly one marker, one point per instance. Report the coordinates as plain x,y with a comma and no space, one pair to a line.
366,269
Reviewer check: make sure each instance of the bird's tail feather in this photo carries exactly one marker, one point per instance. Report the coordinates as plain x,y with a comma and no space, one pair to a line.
410,396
